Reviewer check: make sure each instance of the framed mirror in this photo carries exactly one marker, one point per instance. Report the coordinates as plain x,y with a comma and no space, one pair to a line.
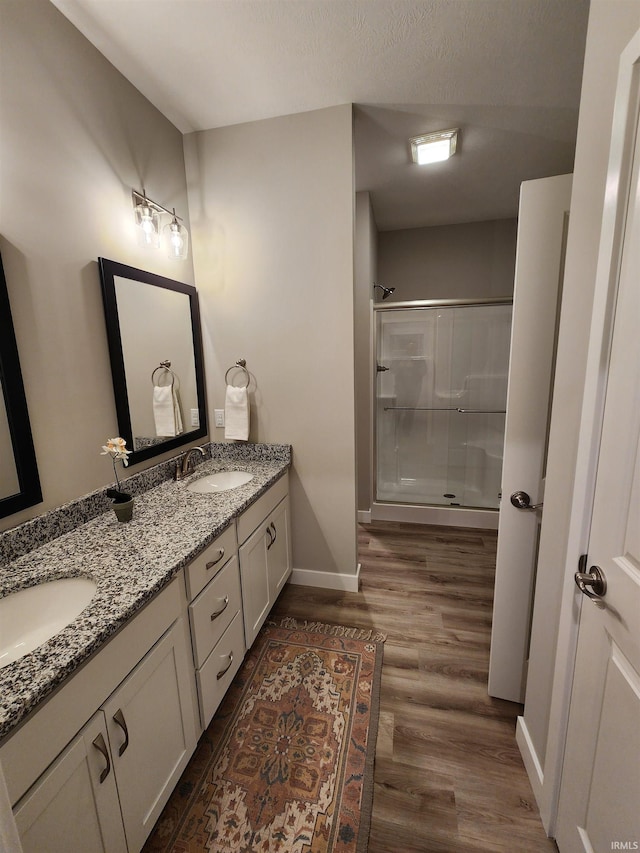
155,347
19,480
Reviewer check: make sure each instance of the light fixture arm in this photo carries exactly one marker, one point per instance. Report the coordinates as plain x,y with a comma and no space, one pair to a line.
144,198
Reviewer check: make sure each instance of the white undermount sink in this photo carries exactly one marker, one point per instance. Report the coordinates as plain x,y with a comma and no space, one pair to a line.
31,616
221,481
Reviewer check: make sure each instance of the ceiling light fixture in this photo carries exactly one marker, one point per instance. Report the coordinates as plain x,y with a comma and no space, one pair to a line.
147,215
434,147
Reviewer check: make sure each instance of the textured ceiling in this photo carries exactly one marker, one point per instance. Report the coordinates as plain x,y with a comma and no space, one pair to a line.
507,72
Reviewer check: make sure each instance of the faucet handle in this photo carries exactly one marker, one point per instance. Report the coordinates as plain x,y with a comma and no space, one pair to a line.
182,465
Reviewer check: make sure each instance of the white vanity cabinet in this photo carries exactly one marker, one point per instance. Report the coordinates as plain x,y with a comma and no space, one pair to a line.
74,805
93,767
265,555
214,615
151,734
105,790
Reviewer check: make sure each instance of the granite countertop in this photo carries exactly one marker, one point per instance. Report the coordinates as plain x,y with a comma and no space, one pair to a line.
130,564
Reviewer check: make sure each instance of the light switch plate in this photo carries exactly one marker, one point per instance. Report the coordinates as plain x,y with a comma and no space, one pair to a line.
195,418
219,417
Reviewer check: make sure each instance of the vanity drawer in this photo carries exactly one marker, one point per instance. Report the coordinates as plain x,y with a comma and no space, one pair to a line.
217,673
213,610
257,512
206,565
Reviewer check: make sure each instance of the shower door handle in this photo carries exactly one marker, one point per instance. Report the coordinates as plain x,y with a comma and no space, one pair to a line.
521,500
380,368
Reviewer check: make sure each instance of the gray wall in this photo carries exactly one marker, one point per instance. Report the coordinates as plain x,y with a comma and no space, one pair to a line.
468,261
75,138
272,213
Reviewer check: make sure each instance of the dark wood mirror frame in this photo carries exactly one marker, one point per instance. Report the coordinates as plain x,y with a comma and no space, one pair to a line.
109,270
15,403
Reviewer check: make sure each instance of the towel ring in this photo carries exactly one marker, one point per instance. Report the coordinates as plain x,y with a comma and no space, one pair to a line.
239,365
164,365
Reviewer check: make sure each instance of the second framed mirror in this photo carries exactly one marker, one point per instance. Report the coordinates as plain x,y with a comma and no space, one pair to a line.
155,347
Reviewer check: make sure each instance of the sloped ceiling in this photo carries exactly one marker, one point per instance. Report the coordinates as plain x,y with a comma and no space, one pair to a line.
506,72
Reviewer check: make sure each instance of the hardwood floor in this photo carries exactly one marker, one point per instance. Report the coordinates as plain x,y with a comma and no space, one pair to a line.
449,777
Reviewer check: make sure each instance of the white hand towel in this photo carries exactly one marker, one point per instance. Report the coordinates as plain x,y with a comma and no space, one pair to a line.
164,408
236,413
177,414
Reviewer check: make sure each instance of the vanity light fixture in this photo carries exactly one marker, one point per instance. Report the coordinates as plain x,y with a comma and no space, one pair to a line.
434,147
147,215
176,239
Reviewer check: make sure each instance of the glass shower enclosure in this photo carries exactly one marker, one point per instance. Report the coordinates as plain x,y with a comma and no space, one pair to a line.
441,394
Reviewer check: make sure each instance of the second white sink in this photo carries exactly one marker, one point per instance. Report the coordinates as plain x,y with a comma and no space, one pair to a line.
31,616
221,481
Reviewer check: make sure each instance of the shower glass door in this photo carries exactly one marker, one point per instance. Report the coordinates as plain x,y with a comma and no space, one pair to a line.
440,403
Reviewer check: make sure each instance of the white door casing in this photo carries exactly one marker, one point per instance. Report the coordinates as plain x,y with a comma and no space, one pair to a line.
539,261
600,788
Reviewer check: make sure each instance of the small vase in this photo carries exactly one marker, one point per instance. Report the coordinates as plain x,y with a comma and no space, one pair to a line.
123,510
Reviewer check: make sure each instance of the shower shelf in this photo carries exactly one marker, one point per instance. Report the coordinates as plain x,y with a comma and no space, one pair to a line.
445,409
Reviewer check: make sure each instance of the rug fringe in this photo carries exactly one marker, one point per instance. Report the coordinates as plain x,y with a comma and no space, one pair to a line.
368,635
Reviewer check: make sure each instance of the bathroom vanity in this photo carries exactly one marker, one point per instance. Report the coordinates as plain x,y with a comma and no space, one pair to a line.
99,723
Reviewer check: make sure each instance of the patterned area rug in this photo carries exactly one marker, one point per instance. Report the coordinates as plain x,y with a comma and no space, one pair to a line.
287,762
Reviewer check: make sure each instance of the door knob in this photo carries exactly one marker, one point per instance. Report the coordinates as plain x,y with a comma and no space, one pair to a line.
521,500
381,368
594,579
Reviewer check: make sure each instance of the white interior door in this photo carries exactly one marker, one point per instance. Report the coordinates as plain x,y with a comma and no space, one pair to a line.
599,806
539,262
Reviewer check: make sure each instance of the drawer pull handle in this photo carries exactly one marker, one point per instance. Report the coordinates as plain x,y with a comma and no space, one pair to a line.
118,718
101,746
227,667
212,563
275,532
222,609
270,535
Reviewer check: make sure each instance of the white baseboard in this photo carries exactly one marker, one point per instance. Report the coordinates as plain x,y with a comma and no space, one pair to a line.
326,580
531,762
364,516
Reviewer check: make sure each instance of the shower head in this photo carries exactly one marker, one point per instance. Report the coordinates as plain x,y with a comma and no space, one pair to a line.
386,291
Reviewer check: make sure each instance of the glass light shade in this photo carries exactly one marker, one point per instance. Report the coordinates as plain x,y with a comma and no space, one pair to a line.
434,147
176,240
148,222
433,152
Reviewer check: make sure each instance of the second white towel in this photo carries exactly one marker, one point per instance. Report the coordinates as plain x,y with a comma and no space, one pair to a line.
166,411
236,413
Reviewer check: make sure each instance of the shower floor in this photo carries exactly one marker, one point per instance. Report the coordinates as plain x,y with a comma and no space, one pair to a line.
435,492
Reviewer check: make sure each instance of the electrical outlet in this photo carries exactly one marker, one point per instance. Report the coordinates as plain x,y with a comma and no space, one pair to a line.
219,417
195,418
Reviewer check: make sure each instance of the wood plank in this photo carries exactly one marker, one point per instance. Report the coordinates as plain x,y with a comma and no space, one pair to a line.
449,777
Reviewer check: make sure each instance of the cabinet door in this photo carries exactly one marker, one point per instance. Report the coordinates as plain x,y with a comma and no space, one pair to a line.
150,721
254,576
278,549
74,805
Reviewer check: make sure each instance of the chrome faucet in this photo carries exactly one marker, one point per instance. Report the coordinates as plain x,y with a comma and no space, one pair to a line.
183,466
